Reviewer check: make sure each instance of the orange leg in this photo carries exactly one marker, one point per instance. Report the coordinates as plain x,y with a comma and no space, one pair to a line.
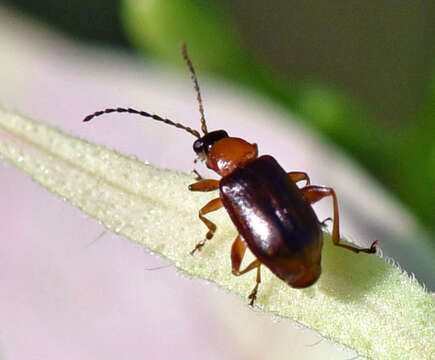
205,185
237,253
297,176
212,205
315,193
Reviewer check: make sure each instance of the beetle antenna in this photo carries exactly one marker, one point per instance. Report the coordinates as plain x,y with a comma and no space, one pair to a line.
196,85
145,114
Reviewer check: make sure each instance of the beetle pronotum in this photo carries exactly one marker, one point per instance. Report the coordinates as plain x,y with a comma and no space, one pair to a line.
273,216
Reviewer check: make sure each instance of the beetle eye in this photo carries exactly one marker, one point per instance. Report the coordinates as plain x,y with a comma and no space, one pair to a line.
203,145
198,146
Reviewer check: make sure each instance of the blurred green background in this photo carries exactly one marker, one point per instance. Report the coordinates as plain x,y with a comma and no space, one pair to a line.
362,74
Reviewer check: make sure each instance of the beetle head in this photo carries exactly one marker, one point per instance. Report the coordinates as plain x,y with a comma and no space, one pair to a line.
222,153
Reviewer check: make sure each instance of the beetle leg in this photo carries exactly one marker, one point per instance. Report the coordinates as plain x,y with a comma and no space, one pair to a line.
253,294
197,175
205,185
297,176
212,205
315,193
237,252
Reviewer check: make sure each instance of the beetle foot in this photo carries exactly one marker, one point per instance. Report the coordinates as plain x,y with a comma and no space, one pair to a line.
323,224
253,295
198,247
373,247
371,250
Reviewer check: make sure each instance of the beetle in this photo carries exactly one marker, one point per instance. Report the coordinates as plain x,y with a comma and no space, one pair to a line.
273,216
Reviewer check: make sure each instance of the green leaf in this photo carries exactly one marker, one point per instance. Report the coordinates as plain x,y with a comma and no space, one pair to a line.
360,301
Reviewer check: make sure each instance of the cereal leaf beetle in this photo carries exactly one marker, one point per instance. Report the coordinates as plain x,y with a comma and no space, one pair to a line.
274,217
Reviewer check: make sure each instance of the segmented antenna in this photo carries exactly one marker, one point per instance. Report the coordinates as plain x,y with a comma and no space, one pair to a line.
145,114
196,85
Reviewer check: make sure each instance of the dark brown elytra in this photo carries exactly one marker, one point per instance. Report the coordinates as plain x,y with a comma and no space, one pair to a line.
274,217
